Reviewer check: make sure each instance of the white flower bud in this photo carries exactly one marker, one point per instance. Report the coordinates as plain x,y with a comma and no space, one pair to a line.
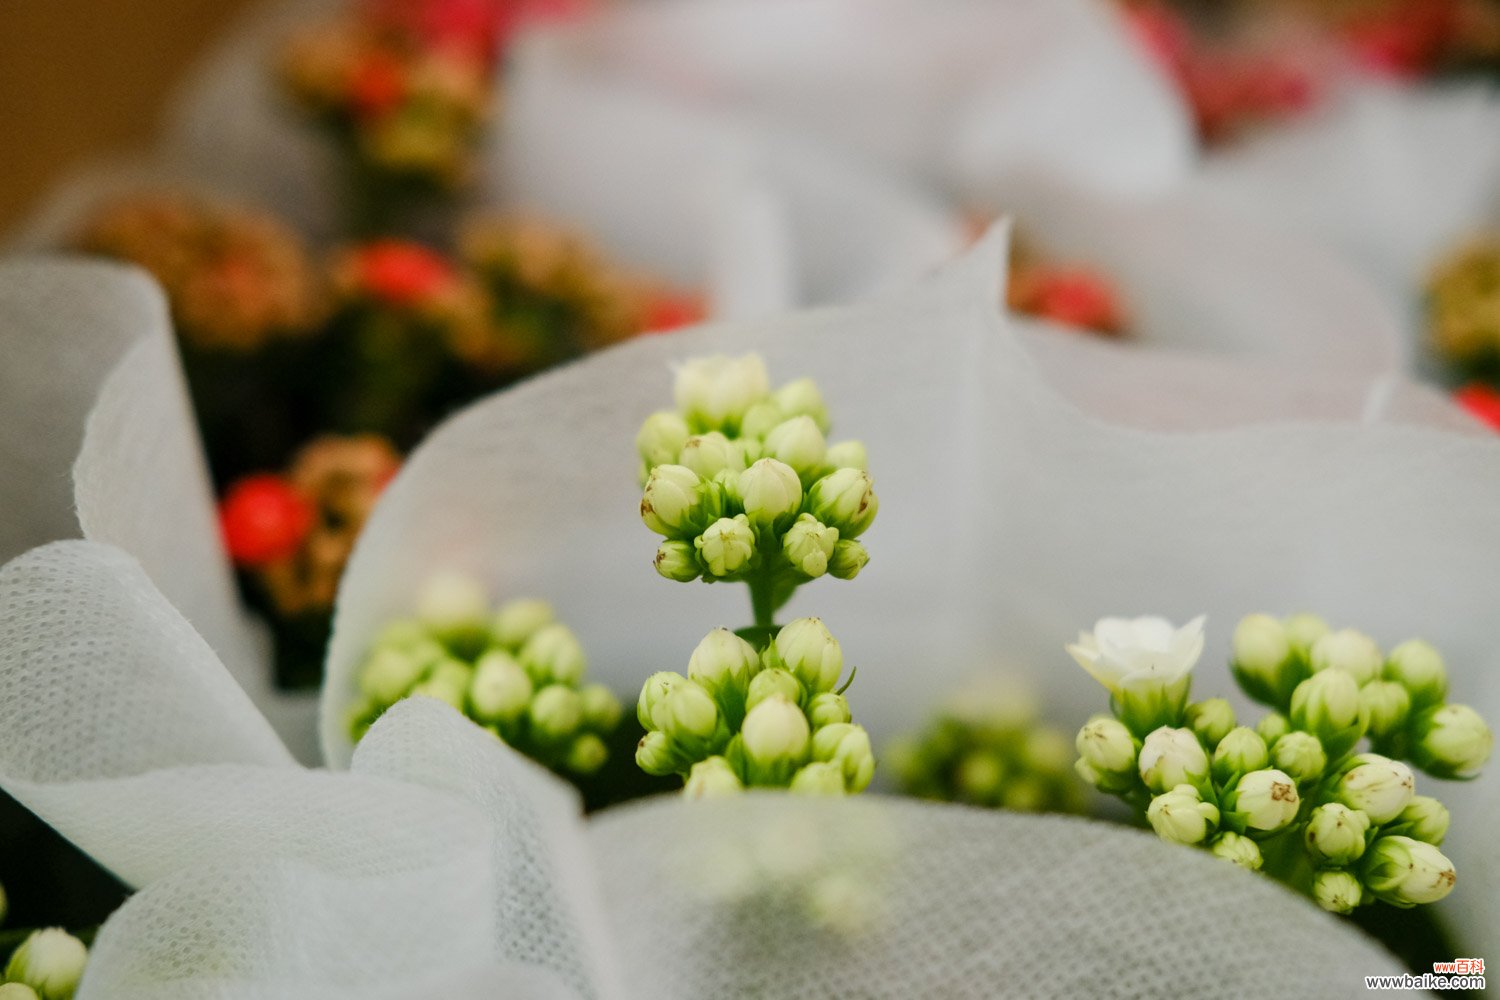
452,600
1300,755
553,653
587,754
677,560
500,690
1376,785
1419,668
712,777
770,492
1303,630
1273,727
1424,818
848,746
1239,752
773,683
726,547
517,621
556,713
653,692
17,991
656,754
723,661
661,438
1171,757
776,740
389,674
1335,834
713,393
1262,658
601,709
1264,801
1327,705
1237,850
403,633
1348,650
712,453
844,499
1386,705
1211,720
827,709
49,961
1337,891
802,398
448,683
1107,746
811,653
798,443
673,503
1407,872
808,545
689,715
848,455
849,557
819,778
760,419
1452,742
1180,816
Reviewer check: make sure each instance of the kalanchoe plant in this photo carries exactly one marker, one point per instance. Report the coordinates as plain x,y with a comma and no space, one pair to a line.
517,672
47,966
1294,795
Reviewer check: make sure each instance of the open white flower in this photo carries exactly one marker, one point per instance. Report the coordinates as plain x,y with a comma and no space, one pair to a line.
1121,653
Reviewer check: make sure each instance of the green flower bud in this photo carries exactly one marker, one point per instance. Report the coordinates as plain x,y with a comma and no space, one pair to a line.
400,634
1171,757
770,492
1348,650
808,545
1237,850
713,393
1303,630
760,419
678,561
553,653
1239,752
1386,705
1407,872
1046,751
773,683
776,741
1262,801
17,991
1424,818
1262,659
653,692
601,709
710,778
452,602
1301,756
798,443
1419,668
49,961
819,778
661,439
848,746
980,776
802,398
727,546
1273,727
811,653
448,683
690,716
848,455
844,499
1452,741
517,621
587,754
656,754
712,453
1180,816
500,690
676,502
723,664
849,557
827,709
1327,705
1337,891
1210,720
1107,746
1376,785
556,713
389,674
1335,834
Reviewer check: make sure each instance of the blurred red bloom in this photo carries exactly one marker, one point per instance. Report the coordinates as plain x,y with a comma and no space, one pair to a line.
669,311
1482,402
402,274
263,519
1073,296
1406,40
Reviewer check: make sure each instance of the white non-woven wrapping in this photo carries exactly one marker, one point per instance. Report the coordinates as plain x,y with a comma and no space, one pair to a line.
445,864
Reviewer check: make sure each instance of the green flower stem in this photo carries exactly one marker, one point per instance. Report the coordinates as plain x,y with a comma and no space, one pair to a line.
763,600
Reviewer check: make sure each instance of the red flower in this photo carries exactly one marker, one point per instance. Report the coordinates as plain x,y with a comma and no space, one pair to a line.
1073,296
378,86
402,274
1163,34
263,519
668,312
1481,401
1406,42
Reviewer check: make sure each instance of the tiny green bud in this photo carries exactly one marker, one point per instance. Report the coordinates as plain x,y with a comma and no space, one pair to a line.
1335,834
1407,872
553,653
1452,741
1300,755
724,663
661,438
760,419
674,502
1376,785
712,453
49,961
1337,891
601,709
1348,650
1210,720
689,715
819,778
517,621
1261,658
1419,668
17,991
653,692
770,492
811,653
844,499
802,398
452,601
1263,801
500,690
448,683
677,560
1171,757
727,546
776,740
400,634
980,776
808,545
848,746
1424,818
827,709
1386,705
656,754
556,713
1302,630
1237,849
798,443
713,393
1046,750
849,557
773,683
712,777
1239,752
1273,727
1327,705
389,674
587,754
1180,816
848,455
1109,748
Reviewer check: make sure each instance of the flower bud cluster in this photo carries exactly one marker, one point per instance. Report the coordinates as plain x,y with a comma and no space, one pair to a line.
516,671
745,718
742,483
989,748
1294,785
47,966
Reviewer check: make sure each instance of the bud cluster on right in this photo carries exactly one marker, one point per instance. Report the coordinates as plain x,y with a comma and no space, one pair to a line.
746,718
1293,795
